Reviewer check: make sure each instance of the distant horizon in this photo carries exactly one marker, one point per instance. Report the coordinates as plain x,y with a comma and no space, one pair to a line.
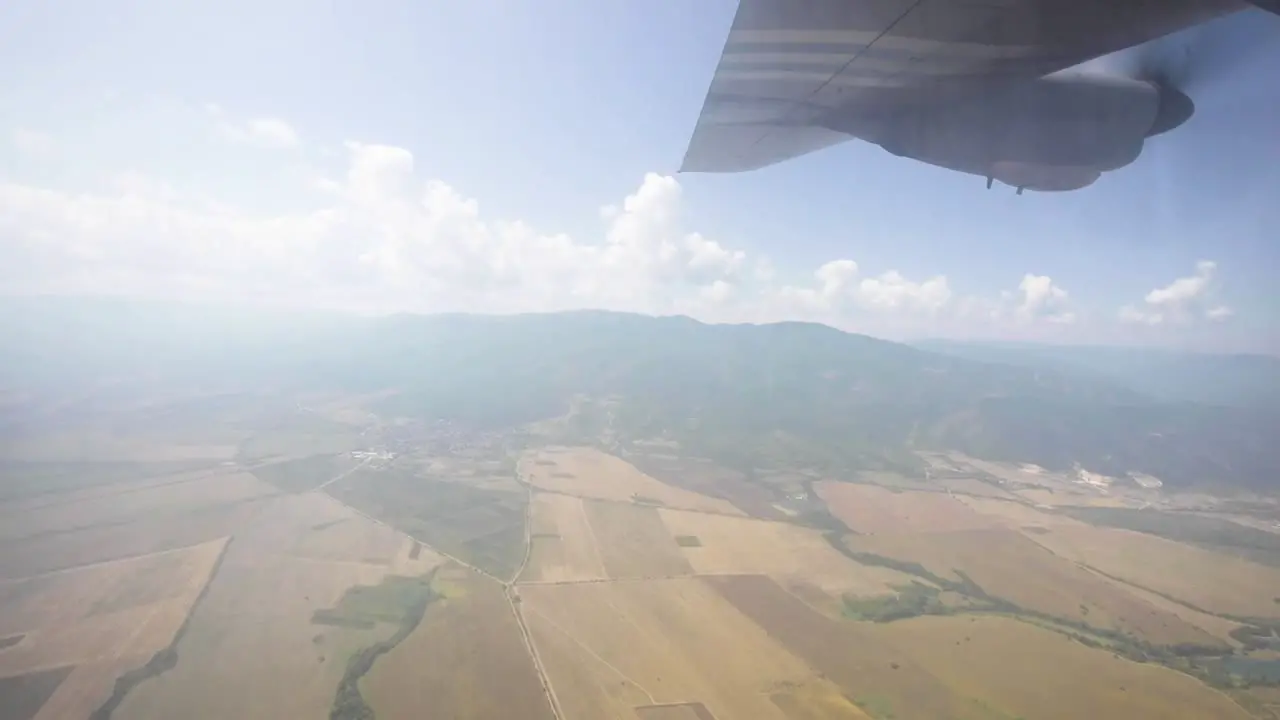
254,305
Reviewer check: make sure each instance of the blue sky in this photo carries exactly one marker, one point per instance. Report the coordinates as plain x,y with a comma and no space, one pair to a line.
262,150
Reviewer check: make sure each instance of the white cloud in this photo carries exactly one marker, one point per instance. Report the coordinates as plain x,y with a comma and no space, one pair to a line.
386,241
383,239
1180,301
264,132
1220,312
1043,300
891,291
1138,316
32,142
1184,290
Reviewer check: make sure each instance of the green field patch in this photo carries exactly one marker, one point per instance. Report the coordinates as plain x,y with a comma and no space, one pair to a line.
479,526
302,474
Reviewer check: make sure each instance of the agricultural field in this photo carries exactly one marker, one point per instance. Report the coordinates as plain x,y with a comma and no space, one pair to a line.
465,659
883,681
794,555
611,648
1205,580
309,558
1017,514
305,473
564,546
1007,566
634,542
757,499
1026,671
97,623
479,526
175,497
279,629
871,510
589,473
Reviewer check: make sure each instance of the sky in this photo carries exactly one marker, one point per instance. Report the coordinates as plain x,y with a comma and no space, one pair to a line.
501,156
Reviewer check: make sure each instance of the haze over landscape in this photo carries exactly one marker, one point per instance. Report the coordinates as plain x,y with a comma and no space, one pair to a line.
292,425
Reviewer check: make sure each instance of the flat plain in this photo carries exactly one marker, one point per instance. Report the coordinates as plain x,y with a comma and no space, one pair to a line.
590,473
99,621
344,564
634,542
1207,580
464,660
612,647
870,509
564,544
270,627
720,545
1009,566
1027,671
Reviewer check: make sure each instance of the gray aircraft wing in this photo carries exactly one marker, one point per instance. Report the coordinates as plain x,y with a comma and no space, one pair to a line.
797,76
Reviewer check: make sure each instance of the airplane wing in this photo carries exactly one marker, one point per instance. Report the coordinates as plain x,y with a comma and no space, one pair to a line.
797,76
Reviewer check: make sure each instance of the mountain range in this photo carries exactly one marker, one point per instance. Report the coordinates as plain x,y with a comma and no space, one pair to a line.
751,396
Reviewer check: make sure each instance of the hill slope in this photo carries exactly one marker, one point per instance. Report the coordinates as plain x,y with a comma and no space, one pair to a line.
748,395
1242,380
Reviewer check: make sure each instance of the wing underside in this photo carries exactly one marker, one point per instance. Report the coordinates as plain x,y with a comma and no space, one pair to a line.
797,76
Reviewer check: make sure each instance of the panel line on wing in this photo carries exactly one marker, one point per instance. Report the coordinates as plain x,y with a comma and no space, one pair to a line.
888,29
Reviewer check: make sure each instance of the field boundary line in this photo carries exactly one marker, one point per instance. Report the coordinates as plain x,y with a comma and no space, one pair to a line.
593,654
341,475
113,561
426,545
595,541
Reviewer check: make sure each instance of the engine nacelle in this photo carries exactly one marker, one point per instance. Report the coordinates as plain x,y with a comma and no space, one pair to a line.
1045,178
1056,133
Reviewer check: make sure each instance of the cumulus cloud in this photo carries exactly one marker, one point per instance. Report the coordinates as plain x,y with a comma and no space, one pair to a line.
891,291
383,238
1181,301
1220,312
264,132
384,241
1043,300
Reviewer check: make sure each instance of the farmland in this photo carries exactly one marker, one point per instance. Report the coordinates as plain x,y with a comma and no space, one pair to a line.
870,510
464,659
1008,566
586,472
1200,578
320,557
564,544
615,646
481,526
734,546
1027,671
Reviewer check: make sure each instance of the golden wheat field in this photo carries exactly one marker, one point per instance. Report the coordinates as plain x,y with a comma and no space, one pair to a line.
1203,579
564,544
99,621
719,545
611,647
871,510
634,542
184,586
1027,671
466,659
589,473
259,629
1007,565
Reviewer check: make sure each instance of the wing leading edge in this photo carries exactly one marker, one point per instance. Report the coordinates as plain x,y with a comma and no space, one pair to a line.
796,76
